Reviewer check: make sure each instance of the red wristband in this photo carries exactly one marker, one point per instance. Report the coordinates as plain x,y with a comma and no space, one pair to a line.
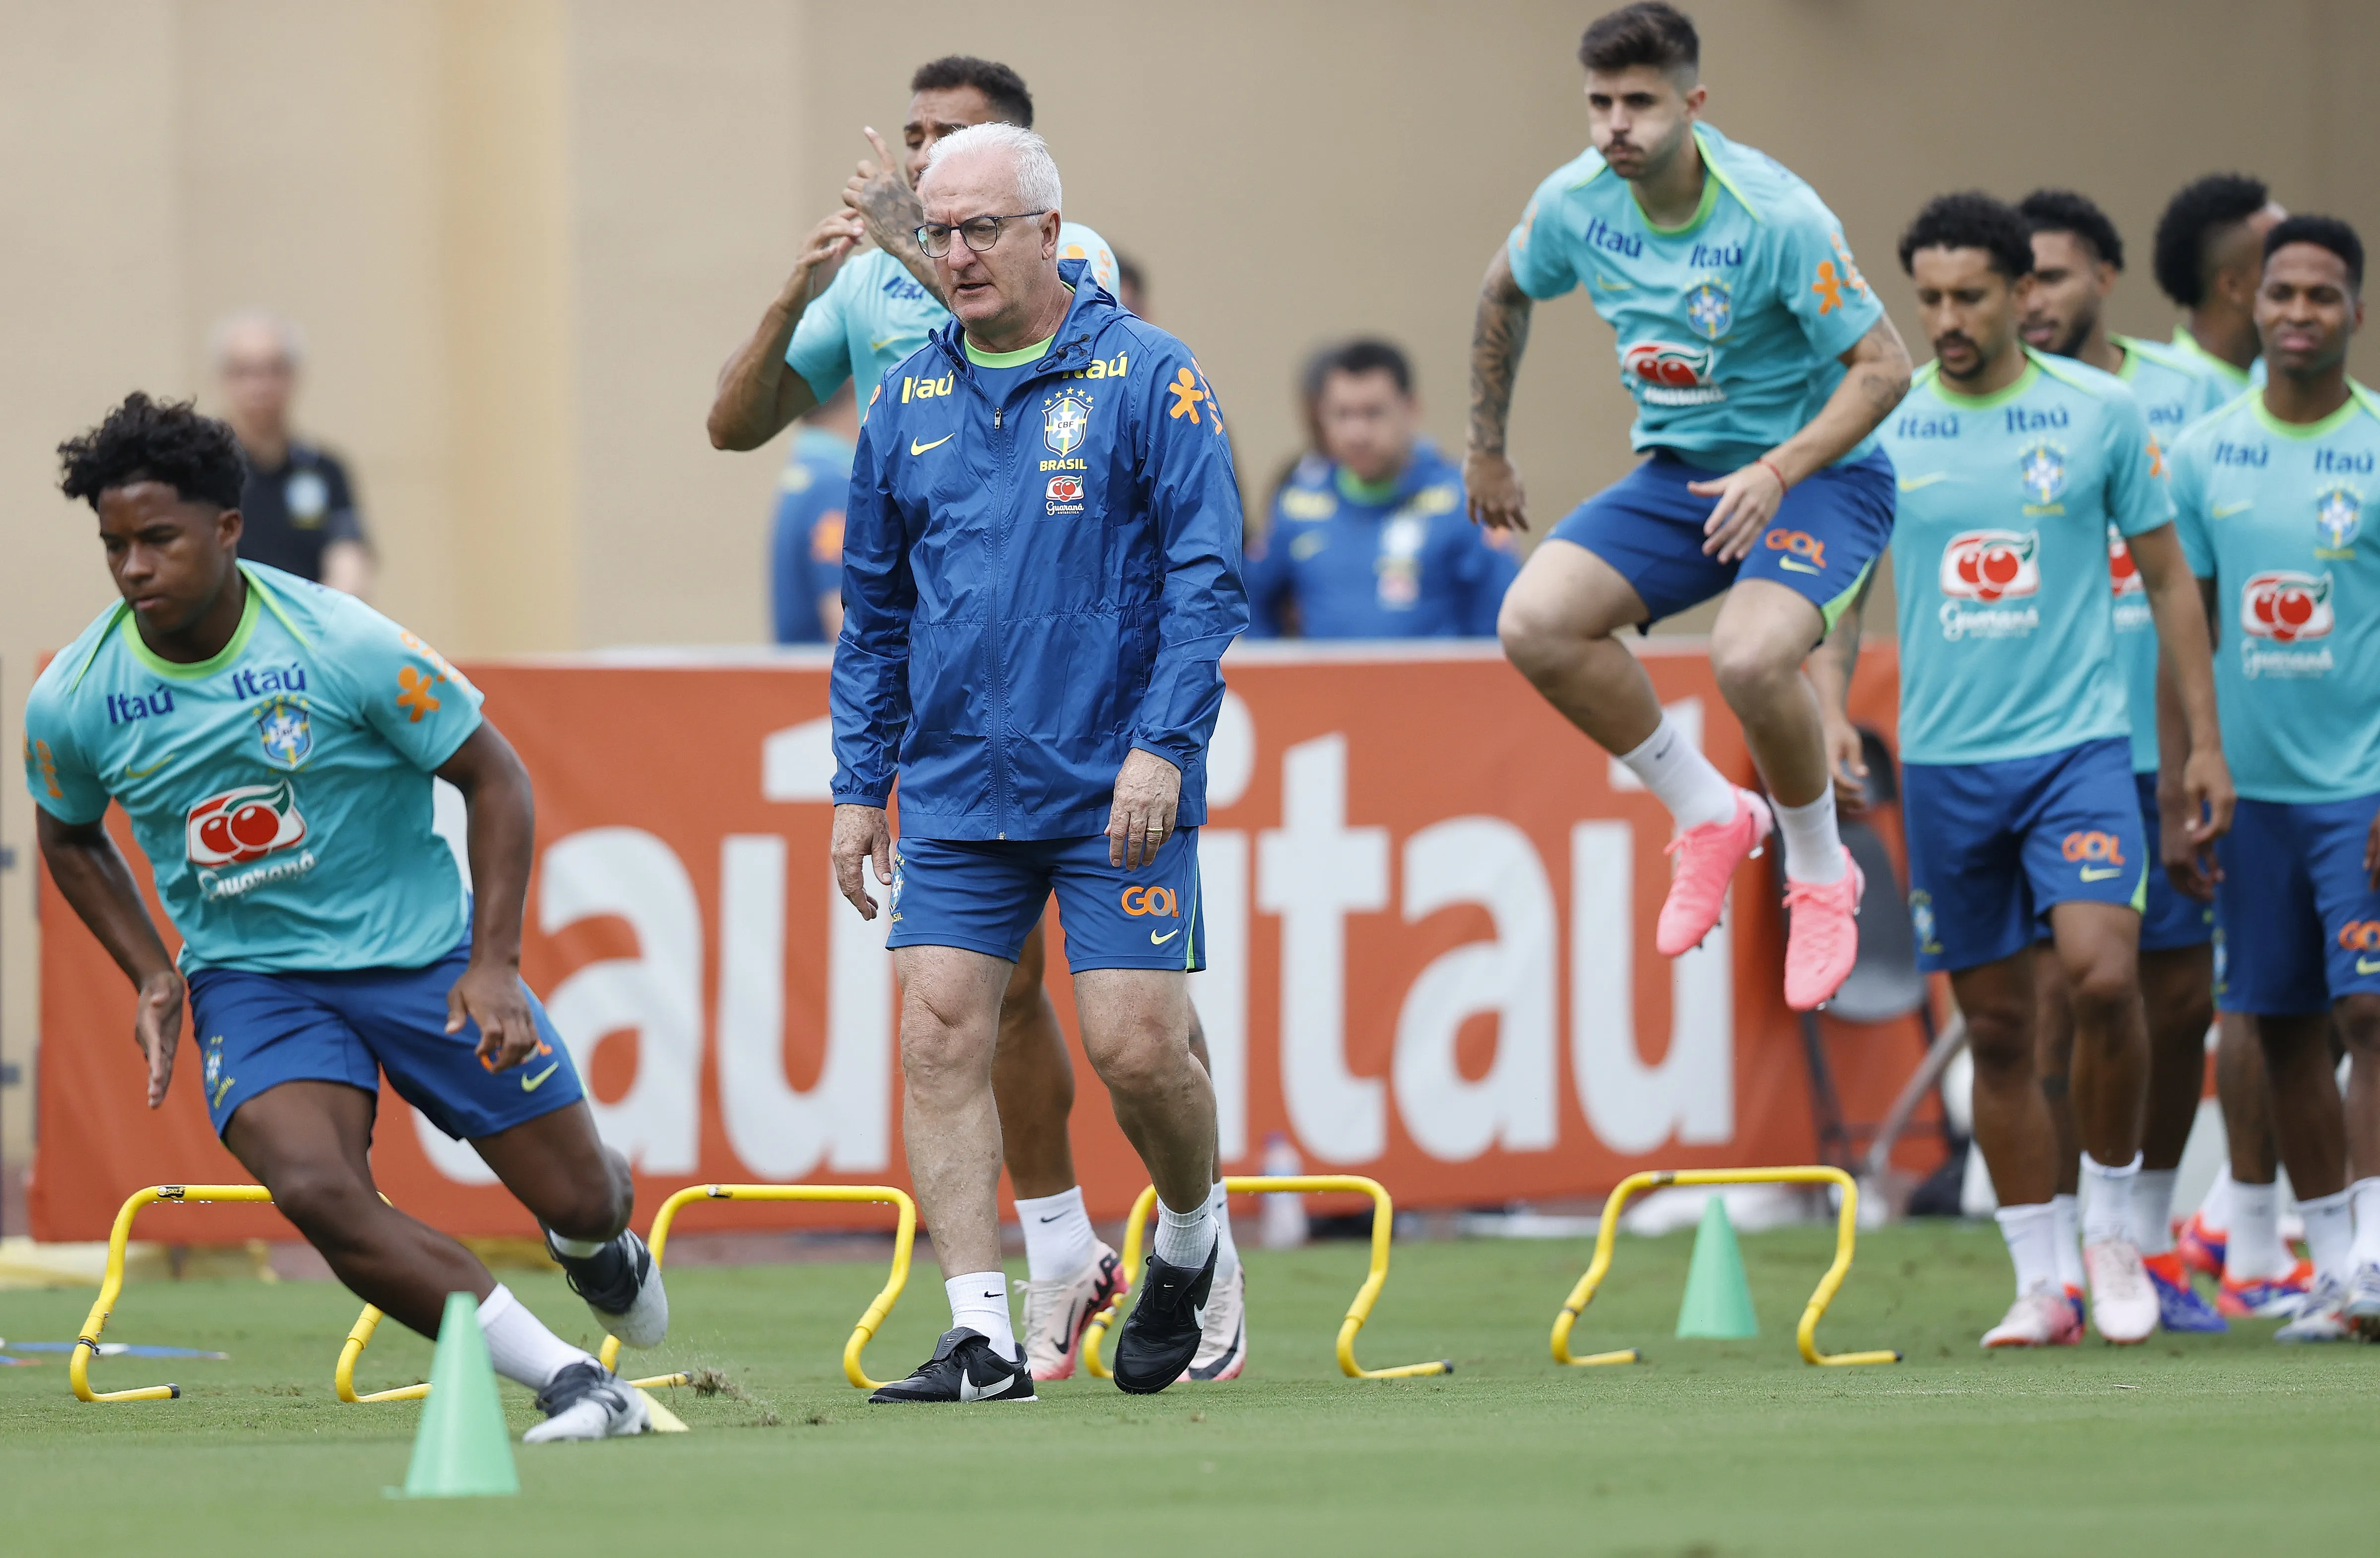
1782,485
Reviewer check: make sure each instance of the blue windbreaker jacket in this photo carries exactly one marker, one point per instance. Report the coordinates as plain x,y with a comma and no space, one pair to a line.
1034,588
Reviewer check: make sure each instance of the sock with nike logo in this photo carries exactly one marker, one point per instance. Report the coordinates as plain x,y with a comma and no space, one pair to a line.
979,1303
1183,1238
520,1345
1058,1238
1226,1254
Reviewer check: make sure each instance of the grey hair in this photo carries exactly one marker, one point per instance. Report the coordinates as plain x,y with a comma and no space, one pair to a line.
1037,172
285,331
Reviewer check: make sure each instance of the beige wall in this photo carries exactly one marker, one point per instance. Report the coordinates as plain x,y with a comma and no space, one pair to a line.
522,234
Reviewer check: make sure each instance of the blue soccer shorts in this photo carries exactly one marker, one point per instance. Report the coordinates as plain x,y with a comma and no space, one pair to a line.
1994,846
986,896
2301,924
1825,537
256,1031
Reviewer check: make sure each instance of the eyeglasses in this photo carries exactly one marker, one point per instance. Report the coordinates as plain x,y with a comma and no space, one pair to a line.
980,232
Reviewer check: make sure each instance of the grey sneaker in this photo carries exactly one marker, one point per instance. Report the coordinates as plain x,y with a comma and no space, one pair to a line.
2361,1310
2322,1318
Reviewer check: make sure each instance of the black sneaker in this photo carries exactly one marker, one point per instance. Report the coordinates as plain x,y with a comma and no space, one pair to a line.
622,1286
1161,1334
588,1401
963,1368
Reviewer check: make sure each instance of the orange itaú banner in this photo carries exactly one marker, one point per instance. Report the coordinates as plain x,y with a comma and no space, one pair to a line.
1429,906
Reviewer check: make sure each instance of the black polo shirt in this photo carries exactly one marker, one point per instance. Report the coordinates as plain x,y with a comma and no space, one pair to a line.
288,515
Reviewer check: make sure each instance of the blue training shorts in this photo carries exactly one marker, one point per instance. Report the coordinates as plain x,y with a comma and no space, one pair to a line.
1994,846
985,896
1827,533
2300,922
256,1031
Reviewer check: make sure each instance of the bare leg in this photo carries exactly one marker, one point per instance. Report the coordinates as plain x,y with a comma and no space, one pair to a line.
1032,1080
2359,1024
1763,634
950,1021
1558,623
1135,1029
2178,995
2245,1094
2055,1059
2098,944
2012,1124
308,1143
560,1169
2308,1121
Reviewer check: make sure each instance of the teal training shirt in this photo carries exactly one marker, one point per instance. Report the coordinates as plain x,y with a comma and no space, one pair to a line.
1999,558
874,314
1729,326
2275,512
2174,388
281,789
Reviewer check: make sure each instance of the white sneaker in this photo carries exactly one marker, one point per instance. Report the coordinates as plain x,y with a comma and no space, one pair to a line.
588,1401
623,1288
1057,1312
2123,1301
2324,1318
2363,1308
1223,1341
2041,1317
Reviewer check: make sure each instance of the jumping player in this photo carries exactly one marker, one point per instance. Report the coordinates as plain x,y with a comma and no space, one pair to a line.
880,308
273,743
1761,365
2077,259
2017,781
2273,491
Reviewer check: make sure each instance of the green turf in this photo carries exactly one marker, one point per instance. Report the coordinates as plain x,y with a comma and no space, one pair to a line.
2189,1444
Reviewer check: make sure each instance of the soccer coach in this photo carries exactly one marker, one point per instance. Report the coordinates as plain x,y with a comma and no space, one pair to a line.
1041,570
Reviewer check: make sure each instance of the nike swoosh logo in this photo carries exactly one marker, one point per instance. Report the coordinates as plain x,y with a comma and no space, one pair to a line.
1054,1217
2367,965
1157,940
1787,562
131,772
1912,483
1608,285
2225,511
917,448
970,1391
880,345
2090,875
530,1084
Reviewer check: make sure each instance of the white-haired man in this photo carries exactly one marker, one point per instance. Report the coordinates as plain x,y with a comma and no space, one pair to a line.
1041,570
299,508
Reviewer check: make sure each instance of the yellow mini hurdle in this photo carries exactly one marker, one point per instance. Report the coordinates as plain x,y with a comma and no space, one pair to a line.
1805,1335
1383,1216
111,1284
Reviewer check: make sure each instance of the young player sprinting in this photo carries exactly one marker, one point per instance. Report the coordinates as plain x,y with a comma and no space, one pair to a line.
1760,366
2275,493
2017,775
273,743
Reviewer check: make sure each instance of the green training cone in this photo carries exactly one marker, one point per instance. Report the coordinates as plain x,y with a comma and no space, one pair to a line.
462,1448
1718,1302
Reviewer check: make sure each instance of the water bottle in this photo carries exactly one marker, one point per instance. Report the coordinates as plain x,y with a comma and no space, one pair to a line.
1284,1213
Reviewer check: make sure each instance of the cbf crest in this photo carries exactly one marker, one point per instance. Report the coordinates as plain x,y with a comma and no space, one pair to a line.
286,726
1065,423
2337,520
2042,472
1710,308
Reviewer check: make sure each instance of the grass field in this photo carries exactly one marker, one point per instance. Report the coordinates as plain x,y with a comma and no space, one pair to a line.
2189,1444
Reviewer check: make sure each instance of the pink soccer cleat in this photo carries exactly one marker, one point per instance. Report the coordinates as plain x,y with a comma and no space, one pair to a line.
1824,941
2039,1318
2200,1246
2123,1300
1705,860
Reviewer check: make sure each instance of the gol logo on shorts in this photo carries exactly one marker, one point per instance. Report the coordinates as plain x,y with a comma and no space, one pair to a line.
2360,936
1138,901
1801,543
2099,849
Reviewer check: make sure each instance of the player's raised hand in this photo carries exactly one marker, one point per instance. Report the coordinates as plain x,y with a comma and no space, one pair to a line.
821,252
1748,497
492,995
1148,794
1492,489
878,190
862,837
157,1028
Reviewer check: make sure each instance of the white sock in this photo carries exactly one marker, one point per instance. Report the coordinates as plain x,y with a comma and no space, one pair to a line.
577,1249
1183,1238
1226,1254
2255,1248
520,1346
1674,770
1814,849
2153,1210
2032,1235
1058,1238
2108,1210
2366,1193
979,1303
2066,1213
2330,1233
2215,1209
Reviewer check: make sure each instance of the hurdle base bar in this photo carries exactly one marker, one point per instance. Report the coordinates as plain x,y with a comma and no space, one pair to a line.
1358,1311
1805,1335
111,1286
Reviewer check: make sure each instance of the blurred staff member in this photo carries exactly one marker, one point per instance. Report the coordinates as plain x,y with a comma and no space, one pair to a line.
298,508
806,552
1371,541
1132,286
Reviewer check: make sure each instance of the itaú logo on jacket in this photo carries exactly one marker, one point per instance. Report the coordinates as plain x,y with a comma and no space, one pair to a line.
246,824
1990,565
1666,373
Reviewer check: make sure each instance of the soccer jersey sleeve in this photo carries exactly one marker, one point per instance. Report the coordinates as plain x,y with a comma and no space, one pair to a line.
2137,497
1821,284
62,784
403,689
820,349
1538,250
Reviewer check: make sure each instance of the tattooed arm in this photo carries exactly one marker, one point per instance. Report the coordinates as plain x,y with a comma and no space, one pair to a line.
882,196
1500,334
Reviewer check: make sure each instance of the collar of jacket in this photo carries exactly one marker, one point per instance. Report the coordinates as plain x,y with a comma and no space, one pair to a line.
1091,312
